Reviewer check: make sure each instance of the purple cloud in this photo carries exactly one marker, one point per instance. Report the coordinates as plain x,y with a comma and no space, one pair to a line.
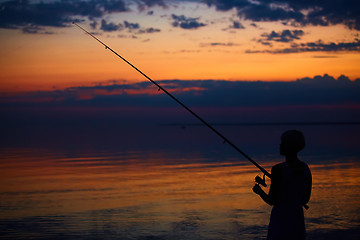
186,23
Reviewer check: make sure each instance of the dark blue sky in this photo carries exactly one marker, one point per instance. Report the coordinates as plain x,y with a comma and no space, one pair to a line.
122,115
321,98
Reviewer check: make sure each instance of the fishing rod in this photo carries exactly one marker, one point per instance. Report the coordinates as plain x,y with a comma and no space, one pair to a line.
183,105
225,140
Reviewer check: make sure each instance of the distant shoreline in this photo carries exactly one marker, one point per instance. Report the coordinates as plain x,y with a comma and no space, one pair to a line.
262,124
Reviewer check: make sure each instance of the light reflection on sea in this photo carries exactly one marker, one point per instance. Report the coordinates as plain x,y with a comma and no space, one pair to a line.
147,194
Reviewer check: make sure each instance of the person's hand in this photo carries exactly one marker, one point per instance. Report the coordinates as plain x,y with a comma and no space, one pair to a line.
257,189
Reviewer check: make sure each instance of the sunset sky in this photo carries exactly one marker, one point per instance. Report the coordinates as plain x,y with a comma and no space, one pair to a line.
89,147
232,61
247,40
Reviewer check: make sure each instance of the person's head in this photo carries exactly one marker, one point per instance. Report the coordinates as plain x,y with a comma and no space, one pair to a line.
292,142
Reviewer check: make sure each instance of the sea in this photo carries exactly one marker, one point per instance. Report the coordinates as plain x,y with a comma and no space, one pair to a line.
169,182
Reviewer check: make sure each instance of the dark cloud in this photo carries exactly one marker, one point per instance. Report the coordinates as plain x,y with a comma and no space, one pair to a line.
267,12
186,23
325,56
261,10
93,24
144,4
326,80
149,30
19,14
31,29
237,25
132,27
318,46
215,44
201,93
110,27
151,3
321,98
284,36
32,17
303,12
224,5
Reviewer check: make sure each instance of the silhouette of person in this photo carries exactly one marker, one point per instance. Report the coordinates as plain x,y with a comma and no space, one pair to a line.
290,188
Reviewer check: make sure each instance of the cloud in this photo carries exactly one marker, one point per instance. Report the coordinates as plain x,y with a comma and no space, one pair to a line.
110,27
284,36
261,10
32,17
216,44
267,12
319,98
93,24
186,23
224,5
200,93
151,3
18,14
132,27
31,29
149,30
315,13
325,80
327,56
237,25
145,4
318,46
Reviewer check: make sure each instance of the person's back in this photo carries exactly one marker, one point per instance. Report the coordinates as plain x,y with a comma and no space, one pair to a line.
290,188
294,182
287,217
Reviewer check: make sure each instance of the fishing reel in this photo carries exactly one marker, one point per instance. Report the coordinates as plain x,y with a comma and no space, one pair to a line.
260,180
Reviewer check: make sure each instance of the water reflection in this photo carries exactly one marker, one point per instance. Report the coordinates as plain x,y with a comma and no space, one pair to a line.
154,195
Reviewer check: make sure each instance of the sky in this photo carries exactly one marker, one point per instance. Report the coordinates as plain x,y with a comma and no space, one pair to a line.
277,40
245,63
234,61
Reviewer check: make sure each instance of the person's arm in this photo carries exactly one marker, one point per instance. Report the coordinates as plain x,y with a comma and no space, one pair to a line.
274,191
258,190
308,189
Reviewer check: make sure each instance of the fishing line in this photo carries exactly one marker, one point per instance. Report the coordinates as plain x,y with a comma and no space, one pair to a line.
225,140
183,105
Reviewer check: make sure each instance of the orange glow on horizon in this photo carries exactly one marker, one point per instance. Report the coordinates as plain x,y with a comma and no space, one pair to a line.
44,62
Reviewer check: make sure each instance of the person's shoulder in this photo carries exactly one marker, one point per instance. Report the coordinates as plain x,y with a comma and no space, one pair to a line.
278,166
277,169
306,167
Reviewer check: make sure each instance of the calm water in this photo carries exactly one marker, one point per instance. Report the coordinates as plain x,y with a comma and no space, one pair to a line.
167,182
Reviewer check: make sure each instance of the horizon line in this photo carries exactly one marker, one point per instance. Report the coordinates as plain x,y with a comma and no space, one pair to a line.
183,125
